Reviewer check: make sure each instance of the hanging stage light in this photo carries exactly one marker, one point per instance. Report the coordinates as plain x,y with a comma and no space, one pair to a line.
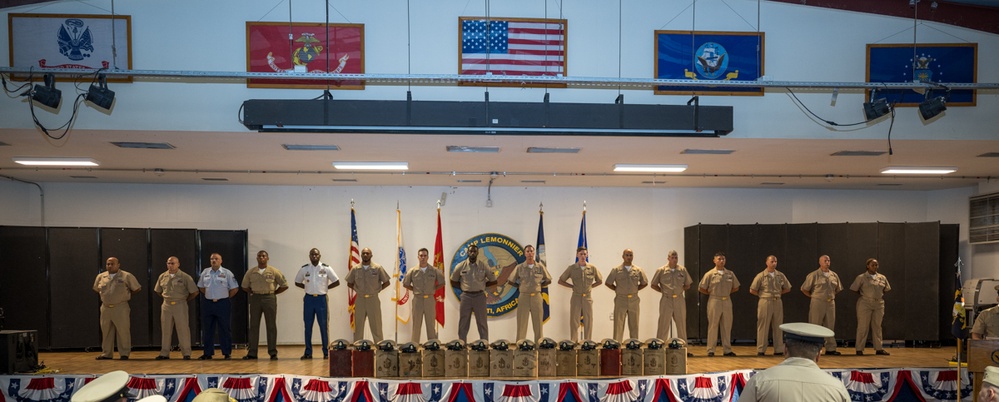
876,107
99,95
931,107
47,94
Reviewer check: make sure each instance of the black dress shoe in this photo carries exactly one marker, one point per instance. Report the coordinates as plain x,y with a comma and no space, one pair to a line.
860,353
730,354
882,353
249,357
690,354
205,357
760,354
833,353
326,357
102,357
711,354
304,357
187,357
226,357
162,357
123,358
778,353
273,357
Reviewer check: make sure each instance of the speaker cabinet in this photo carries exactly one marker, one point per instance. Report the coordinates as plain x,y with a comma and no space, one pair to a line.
18,351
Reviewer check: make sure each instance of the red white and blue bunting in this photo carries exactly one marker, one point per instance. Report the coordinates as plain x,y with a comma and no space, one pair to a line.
864,385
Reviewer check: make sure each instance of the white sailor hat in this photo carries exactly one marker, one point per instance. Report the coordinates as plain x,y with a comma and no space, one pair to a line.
806,332
213,395
992,375
108,387
153,398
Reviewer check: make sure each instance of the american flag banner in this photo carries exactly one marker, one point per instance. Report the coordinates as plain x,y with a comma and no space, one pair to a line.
355,258
512,46
404,309
439,264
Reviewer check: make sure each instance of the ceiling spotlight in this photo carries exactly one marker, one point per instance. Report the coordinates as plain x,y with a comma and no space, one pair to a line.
934,5
931,107
99,94
876,108
47,94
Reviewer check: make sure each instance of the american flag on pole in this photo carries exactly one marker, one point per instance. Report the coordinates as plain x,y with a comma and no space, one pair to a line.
512,46
404,309
354,259
439,264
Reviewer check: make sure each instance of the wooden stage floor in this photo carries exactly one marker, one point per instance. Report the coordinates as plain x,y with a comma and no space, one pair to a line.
142,362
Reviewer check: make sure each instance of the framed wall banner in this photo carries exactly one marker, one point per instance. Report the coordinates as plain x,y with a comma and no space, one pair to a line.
935,63
709,56
83,41
304,48
512,46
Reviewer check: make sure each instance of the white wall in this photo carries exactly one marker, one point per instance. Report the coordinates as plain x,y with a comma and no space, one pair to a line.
288,221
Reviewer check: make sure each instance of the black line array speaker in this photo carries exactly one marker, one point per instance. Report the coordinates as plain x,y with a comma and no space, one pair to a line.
18,351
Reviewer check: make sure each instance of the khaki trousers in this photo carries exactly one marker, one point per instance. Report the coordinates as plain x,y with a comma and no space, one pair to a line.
870,313
769,317
533,306
368,308
626,305
672,309
719,317
822,311
580,306
175,313
115,326
424,308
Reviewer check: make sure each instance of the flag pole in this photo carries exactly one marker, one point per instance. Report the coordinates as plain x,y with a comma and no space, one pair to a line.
398,279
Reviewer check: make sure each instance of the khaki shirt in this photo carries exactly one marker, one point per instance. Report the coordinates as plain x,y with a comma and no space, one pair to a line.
871,288
627,282
770,286
987,323
118,289
264,283
424,282
530,279
473,276
795,379
175,289
367,281
582,278
821,285
672,280
719,283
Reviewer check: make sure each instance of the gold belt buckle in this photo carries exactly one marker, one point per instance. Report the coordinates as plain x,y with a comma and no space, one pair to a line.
426,296
532,294
724,298
829,300
629,296
674,296
583,295
367,296
110,305
173,303
215,300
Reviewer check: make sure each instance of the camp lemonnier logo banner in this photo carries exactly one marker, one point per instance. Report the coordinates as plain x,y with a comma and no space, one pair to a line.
502,254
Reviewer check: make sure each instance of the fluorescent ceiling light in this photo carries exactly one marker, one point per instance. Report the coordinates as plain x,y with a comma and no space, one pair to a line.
371,165
303,147
466,148
625,167
143,145
919,170
546,150
692,151
54,161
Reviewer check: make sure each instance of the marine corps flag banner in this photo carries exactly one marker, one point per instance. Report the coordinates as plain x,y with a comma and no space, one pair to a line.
960,323
355,258
439,264
404,309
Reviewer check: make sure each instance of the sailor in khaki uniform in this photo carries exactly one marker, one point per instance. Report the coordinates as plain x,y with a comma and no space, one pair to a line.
770,284
529,277
263,284
424,282
626,280
472,276
822,285
798,377
367,279
672,280
987,322
116,288
719,284
872,287
177,288
581,277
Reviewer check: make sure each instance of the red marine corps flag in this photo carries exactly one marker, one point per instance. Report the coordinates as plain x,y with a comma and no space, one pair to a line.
439,264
